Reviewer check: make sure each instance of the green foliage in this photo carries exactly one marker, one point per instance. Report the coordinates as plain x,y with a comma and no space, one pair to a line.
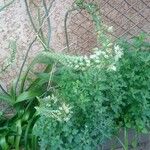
102,102
16,130
16,127
84,100
134,69
90,118
105,55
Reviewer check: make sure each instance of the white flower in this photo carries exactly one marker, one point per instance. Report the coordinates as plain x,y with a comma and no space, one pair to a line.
110,29
66,108
106,56
109,50
97,60
93,56
85,58
83,68
99,32
110,44
76,66
117,47
88,64
95,49
81,63
76,61
112,67
80,59
67,119
103,53
88,61
48,105
69,63
118,52
98,53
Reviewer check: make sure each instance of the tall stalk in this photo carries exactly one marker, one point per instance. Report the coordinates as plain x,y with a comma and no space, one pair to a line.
126,143
19,132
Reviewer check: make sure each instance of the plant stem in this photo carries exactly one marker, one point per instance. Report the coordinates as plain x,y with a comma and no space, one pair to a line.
1,87
2,8
48,22
135,141
40,30
121,143
65,27
22,66
126,138
3,143
30,16
34,142
18,137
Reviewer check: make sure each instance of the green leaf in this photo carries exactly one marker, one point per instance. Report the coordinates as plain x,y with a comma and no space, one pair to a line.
6,98
28,95
43,58
3,143
128,125
27,131
145,131
43,76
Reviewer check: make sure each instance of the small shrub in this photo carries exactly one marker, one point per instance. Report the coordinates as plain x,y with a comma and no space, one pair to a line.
102,102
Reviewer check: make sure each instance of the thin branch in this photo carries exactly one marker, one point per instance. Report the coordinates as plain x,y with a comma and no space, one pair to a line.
23,81
37,36
48,21
30,17
42,42
1,87
40,30
5,6
43,21
50,77
45,17
22,66
66,46
49,81
65,27
51,4
1,9
121,143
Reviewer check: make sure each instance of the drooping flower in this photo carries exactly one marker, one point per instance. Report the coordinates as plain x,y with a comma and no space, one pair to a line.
110,29
112,67
118,52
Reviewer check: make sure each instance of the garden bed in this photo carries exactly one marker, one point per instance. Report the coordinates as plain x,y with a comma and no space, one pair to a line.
79,102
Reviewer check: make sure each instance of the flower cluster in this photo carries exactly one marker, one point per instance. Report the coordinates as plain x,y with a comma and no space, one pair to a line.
104,56
100,58
51,107
118,52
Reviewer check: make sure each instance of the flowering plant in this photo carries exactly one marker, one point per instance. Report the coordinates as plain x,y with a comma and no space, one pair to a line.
78,102
105,56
